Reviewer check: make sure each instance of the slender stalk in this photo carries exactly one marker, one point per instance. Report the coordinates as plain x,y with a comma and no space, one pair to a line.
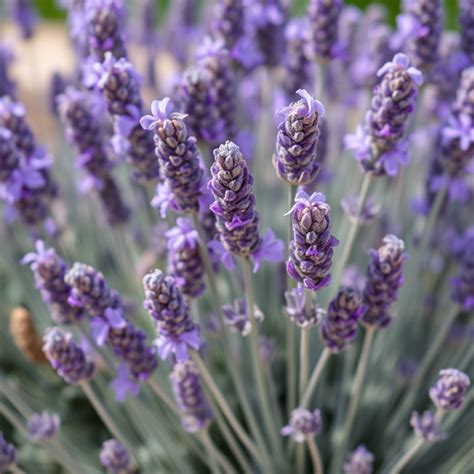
234,371
155,386
211,451
319,80
429,357
304,359
226,410
105,416
290,327
407,457
432,218
349,242
16,470
262,388
356,394
230,438
318,369
315,456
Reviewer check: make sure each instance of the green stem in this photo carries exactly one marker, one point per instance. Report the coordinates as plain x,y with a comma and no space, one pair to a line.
429,357
304,359
407,457
290,327
155,386
234,371
16,470
355,224
356,394
318,369
105,417
432,218
211,451
315,456
226,410
257,359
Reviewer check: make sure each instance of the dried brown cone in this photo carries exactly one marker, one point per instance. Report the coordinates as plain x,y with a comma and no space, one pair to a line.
25,336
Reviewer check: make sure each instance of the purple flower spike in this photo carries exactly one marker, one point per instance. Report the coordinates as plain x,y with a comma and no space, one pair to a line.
426,426
361,461
295,159
449,391
466,22
105,24
184,260
195,411
234,205
237,318
463,284
9,157
229,21
305,316
303,425
339,327
120,84
49,271
177,154
66,357
43,425
298,68
324,19
7,454
384,278
379,144
423,44
311,249
176,330
115,458
23,13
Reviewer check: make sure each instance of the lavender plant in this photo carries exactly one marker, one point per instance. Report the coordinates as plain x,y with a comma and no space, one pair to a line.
278,351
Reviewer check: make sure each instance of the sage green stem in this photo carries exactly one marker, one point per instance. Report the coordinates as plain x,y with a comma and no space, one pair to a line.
155,386
221,459
315,456
230,438
257,364
304,359
427,361
290,326
223,405
433,216
318,369
211,451
16,470
234,370
356,394
319,80
105,416
408,456
349,242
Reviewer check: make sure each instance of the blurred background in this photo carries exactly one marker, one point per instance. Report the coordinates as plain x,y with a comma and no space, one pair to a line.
49,9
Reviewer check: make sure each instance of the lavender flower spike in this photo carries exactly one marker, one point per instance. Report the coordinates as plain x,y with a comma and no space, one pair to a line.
361,461
237,318
303,424
384,278
115,458
7,454
466,22
449,391
43,425
229,21
324,19
9,157
378,145
105,23
177,153
234,207
295,159
463,284
66,356
196,413
302,314
339,327
311,249
426,426
176,330
184,260
423,46
49,271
